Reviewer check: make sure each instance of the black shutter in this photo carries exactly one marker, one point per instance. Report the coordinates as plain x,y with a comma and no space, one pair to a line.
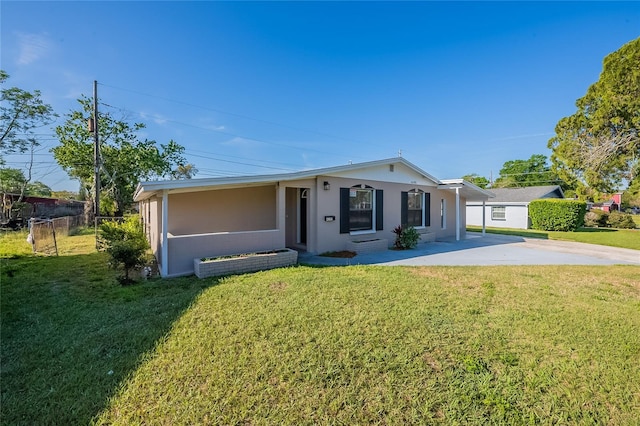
404,208
427,209
344,210
379,209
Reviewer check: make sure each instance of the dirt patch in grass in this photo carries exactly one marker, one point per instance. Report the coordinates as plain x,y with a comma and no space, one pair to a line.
345,254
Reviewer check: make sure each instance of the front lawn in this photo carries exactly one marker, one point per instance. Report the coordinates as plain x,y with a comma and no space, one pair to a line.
350,345
623,238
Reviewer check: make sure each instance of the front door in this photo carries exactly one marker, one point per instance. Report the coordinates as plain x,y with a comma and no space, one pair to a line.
302,216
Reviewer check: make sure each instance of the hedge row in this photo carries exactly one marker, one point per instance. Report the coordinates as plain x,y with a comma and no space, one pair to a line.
557,214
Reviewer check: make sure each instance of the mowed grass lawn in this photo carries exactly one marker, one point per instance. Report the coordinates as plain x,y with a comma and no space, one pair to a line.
343,345
623,238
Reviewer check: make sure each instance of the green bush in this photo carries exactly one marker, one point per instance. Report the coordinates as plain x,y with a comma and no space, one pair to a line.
621,220
596,218
557,214
126,244
406,237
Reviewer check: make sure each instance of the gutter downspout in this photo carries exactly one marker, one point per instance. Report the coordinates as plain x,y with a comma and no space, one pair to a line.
164,266
457,214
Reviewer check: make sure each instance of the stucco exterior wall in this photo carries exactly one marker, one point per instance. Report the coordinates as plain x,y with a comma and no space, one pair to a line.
516,216
225,210
183,249
328,202
150,211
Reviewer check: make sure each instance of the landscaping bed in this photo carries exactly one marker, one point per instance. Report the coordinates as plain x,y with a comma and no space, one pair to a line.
243,263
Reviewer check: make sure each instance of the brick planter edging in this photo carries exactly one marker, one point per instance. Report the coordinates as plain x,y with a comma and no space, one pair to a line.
244,263
379,244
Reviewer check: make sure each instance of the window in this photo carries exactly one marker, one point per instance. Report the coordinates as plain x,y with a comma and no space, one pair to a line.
443,213
415,208
498,213
360,209
415,212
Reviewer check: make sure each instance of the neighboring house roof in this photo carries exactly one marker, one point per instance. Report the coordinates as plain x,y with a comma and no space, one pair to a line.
526,194
148,189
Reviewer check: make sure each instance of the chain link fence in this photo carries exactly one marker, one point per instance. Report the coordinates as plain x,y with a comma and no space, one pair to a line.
44,233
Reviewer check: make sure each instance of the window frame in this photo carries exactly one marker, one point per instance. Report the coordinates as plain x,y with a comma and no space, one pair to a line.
421,194
496,209
371,211
377,201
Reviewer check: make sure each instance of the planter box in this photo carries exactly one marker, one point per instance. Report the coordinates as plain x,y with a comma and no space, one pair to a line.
426,236
244,263
368,246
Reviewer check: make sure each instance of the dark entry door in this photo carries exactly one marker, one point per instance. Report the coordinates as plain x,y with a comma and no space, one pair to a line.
303,216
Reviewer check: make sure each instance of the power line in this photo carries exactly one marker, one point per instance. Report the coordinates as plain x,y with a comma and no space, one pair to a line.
246,117
235,135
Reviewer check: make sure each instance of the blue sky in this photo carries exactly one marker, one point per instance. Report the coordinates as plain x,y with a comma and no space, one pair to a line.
271,87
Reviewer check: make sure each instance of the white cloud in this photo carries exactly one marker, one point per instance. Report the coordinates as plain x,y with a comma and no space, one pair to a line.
32,47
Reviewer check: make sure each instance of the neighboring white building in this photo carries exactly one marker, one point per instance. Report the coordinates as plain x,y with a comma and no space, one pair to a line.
510,207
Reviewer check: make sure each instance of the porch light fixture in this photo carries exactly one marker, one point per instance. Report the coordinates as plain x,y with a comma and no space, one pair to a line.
326,186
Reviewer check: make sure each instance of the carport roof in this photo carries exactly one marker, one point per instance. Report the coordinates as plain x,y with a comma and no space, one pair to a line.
468,190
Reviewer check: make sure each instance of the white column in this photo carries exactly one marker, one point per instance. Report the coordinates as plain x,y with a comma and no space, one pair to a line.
457,214
484,203
164,266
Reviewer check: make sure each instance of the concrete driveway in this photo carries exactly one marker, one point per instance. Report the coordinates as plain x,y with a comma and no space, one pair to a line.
491,249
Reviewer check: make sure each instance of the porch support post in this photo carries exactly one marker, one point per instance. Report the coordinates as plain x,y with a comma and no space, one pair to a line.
457,213
164,266
484,226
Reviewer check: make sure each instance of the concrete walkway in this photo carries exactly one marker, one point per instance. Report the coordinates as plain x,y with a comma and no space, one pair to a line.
492,249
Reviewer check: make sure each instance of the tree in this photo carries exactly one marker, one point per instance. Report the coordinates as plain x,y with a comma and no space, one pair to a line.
186,171
126,244
21,113
477,180
631,197
531,172
14,182
125,158
598,147
38,189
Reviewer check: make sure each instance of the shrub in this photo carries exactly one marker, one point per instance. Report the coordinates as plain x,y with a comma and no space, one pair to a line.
557,215
621,220
406,237
596,218
126,244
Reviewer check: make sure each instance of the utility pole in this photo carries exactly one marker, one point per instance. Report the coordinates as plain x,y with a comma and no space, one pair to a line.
96,150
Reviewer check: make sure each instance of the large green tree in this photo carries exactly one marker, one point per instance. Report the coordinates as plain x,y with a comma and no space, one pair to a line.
477,180
532,172
22,113
598,147
126,159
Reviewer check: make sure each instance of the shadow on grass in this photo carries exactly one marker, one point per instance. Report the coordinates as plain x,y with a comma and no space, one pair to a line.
596,230
71,335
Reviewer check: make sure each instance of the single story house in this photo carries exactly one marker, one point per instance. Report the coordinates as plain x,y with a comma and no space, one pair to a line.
613,203
316,211
510,206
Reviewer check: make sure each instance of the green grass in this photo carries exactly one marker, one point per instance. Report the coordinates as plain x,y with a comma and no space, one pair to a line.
351,345
623,238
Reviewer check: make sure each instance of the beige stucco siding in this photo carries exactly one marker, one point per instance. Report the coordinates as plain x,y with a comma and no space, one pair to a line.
184,249
225,210
328,204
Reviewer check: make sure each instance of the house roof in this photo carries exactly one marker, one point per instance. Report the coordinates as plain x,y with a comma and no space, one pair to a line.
148,189
526,194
